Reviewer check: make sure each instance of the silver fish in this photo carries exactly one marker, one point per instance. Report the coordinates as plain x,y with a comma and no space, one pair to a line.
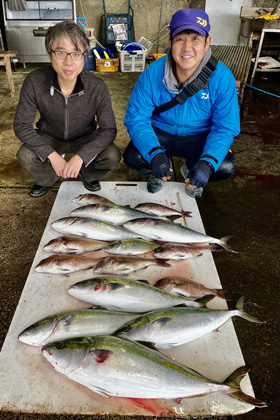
65,264
91,228
73,245
111,366
182,251
187,288
171,327
85,199
155,209
161,230
65,325
123,266
110,213
116,293
130,247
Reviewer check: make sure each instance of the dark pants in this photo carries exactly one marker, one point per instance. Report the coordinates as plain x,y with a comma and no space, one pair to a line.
43,172
190,148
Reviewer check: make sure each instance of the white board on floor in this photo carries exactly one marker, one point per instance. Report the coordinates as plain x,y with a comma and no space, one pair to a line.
29,384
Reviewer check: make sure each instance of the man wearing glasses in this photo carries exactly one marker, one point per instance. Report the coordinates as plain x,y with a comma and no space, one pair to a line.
76,116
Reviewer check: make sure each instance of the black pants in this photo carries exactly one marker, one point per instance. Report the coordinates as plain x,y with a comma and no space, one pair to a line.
190,148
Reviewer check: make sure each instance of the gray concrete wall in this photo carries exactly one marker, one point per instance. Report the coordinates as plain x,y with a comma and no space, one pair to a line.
146,16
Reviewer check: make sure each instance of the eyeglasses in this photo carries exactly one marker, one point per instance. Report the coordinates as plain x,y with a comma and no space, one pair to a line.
61,55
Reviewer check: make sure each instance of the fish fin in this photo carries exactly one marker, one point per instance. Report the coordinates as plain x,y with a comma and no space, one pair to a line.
148,344
173,217
162,320
220,293
244,315
204,299
162,262
100,355
114,286
233,381
223,243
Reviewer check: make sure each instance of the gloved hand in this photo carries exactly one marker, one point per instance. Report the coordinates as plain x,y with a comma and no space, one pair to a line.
160,166
200,173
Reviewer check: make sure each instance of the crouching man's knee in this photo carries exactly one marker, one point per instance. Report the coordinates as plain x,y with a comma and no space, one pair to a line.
228,167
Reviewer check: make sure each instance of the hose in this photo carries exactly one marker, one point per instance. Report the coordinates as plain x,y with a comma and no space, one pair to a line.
272,94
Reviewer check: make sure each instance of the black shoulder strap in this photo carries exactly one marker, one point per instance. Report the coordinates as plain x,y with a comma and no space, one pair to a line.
191,89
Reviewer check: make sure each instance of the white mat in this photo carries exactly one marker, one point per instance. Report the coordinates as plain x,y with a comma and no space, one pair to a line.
29,384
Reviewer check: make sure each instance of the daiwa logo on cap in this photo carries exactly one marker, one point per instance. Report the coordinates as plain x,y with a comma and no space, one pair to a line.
193,19
202,22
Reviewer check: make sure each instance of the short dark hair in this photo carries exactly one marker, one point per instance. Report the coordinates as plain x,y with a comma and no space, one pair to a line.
188,32
67,28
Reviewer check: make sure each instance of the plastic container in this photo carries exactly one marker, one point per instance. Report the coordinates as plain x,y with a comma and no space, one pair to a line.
89,62
156,56
132,61
107,65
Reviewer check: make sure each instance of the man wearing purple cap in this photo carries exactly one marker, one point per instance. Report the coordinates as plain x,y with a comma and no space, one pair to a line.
199,128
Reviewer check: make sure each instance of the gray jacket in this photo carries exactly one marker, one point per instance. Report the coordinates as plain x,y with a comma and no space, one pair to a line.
87,112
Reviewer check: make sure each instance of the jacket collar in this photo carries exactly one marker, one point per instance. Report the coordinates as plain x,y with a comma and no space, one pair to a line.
170,81
78,89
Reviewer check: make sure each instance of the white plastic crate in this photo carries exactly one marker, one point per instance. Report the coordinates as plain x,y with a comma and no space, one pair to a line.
133,61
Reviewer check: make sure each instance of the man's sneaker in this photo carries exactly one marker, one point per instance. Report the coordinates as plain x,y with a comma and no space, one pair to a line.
194,192
38,191
154,185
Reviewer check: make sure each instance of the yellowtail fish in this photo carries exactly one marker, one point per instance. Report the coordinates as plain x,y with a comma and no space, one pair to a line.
91,228
162,230
117,293
70,324
187,288
130,247
73,245
172,327
65,264
124,266
112,366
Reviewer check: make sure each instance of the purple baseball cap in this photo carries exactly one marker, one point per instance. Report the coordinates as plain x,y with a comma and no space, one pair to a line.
194,19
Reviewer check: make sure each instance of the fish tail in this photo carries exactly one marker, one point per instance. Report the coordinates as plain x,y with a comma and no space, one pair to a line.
220,293
234,390
223,243
204,300
164,263
186,213
244,315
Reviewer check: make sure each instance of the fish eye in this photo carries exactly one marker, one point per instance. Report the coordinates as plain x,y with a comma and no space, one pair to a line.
60,346
125,329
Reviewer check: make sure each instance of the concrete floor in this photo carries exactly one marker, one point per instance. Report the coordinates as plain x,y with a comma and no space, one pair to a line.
246,206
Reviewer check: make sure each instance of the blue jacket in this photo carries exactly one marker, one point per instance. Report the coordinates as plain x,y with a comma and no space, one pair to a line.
213,109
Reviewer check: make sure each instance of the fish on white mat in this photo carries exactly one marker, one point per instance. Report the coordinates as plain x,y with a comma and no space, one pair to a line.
112,366
124,265
162,230
191,289
77,323
92,228
172,327
156,209
122,294
73,245
90,198
65,264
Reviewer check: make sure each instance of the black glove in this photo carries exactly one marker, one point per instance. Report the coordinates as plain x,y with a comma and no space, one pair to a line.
200,173
160,166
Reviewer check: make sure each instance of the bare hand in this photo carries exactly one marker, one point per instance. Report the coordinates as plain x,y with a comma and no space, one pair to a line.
72,168
57,162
